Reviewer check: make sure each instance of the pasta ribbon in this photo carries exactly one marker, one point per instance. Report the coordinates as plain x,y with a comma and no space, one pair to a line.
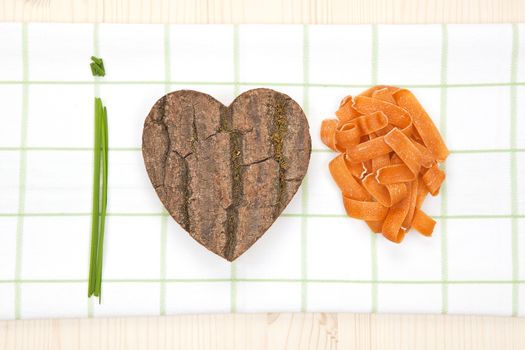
397,116
423,223
433,179
346,111
386,195
404,149
370,211
368,150
395,173
424,125
328,129
348,185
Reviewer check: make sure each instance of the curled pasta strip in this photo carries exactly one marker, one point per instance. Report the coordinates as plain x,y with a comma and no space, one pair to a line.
384,94
369,211
347,136
358,170
392,226
424,125
380,162
389,158
328,129
423,223
411,206
348,185
370,92
404,149
346,111
350,133
422,192
386,195
368,150
427,160
397,116
433,179
395,173
370,123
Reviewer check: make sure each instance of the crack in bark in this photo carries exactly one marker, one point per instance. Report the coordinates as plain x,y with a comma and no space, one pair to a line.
184,157
257,161
165,156
185,194
226,125
184,171
278,134
194,134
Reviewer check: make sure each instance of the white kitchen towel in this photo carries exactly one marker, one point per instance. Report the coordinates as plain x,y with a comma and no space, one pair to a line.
470,78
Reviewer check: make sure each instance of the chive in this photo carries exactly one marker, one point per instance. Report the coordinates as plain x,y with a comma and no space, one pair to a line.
96,60
103,204
97,67
100,187
100,171
96,199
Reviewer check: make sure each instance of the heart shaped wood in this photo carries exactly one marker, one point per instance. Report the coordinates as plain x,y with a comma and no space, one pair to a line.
226,173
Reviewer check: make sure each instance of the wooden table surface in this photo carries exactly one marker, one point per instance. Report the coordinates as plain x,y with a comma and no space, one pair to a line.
267,331
265,11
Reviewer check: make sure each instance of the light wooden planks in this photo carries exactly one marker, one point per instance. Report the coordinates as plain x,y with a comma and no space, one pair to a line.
264,11
268,331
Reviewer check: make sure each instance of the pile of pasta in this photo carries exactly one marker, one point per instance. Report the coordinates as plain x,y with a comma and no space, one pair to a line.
388,162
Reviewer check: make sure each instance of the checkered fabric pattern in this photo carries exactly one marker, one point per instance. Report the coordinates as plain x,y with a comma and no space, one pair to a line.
470,78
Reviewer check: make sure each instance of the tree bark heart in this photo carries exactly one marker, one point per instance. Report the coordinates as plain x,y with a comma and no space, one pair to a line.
225,174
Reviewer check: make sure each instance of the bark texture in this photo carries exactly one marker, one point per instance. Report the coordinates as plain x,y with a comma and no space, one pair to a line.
226,173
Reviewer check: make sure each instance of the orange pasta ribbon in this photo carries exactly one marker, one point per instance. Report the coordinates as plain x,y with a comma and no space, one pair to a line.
384,94
404,149
386,195
424,125
392,226
389,158
328,129
368,150
394,173
397,116
346,111
370,211
344,179
423,223
433,179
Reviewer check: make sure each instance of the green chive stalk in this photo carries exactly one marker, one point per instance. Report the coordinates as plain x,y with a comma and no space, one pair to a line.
100,187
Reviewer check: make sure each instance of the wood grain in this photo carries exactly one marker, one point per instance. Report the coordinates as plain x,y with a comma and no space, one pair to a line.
267,11
225,174
268,331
